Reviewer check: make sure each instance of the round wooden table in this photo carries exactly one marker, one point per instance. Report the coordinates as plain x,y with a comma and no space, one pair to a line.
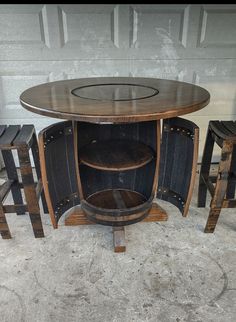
110,159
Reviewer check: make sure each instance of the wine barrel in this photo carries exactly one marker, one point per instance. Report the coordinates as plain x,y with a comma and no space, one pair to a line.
119,194
117,182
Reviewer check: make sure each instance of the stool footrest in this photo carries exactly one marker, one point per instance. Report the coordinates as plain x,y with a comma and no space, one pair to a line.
229,203
11,209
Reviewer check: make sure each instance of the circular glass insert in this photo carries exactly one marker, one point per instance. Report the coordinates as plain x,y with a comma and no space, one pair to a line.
115,92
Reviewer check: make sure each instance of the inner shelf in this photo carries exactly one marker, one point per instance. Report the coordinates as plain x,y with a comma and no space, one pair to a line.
116,155
116,199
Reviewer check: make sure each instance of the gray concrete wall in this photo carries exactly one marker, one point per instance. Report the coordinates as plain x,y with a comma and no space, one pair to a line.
192,43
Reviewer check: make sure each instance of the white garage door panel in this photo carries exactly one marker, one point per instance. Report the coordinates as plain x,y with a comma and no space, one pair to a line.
191,43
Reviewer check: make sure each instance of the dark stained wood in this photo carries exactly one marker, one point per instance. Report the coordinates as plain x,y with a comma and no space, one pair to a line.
12,175
119,239
7,136
6,140
76,158
22,140
4,189
58,169
115,92
208,183
230,125
116,199
2,129
116,207
24,136
109,109
45,179
121,220
205,169
4,229
14,208
35,154
230,193
193,171
76,216
212,220
179,151
220,188
30,191
174,98
229,203
39,188
221,131
158,155
156,213
223,193
140,180
116,155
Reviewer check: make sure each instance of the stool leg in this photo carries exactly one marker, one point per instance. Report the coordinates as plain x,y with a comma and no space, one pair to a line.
220,188
230,192
205,169
30,192
12,175
35,152
4,229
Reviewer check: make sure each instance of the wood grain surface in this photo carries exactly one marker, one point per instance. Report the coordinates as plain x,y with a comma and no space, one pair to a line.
116,155
139,100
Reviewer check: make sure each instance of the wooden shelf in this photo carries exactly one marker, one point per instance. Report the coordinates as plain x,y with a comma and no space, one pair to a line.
116,207
116,155
116,199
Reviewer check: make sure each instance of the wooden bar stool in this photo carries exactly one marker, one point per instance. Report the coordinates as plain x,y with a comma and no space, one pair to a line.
222,186
22,139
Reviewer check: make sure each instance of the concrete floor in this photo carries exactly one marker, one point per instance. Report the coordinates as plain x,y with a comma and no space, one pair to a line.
171,271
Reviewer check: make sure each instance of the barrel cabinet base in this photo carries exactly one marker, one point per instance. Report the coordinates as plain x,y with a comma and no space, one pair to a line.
126,174
76,216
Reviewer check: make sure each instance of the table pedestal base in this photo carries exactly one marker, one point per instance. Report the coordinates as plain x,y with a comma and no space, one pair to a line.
76,216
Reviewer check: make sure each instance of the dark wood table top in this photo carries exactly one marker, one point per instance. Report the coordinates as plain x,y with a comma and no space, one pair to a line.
114,99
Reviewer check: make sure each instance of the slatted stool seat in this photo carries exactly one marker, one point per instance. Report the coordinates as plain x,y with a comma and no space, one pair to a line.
222,185
22,139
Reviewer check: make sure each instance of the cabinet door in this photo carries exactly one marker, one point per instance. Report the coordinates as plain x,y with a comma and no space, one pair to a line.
178,163
56,145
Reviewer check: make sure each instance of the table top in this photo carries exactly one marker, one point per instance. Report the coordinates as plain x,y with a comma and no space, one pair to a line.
114,99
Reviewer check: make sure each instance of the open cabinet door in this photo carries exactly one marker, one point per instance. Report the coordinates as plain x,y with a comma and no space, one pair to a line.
56,145
178,162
